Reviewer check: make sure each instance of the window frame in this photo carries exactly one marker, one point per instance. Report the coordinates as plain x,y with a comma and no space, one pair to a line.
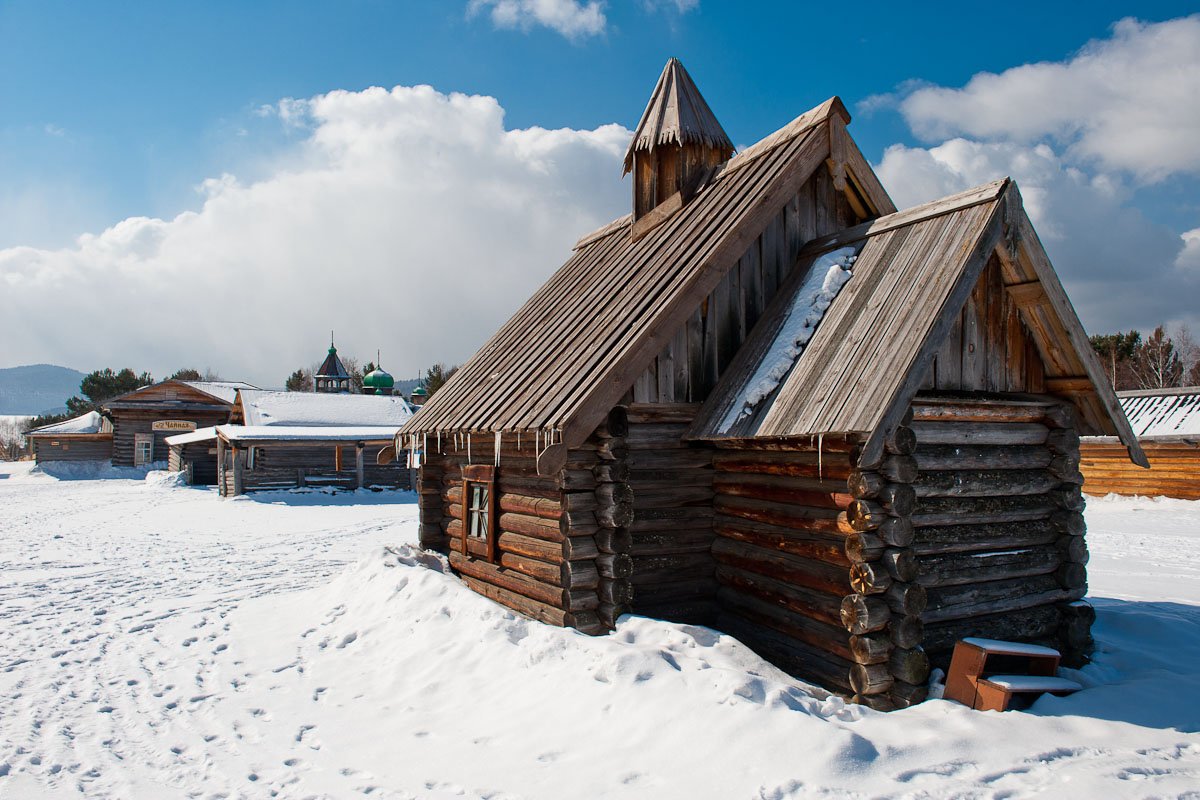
479,475
140,439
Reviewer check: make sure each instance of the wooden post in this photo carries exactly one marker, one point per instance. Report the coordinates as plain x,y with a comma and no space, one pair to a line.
239,468
358,465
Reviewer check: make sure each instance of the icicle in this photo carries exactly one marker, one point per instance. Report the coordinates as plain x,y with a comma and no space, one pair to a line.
820,444
537,443
468,435
518,439
439,441
498,437
424,449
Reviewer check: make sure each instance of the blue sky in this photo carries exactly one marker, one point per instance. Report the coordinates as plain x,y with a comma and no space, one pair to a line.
112,112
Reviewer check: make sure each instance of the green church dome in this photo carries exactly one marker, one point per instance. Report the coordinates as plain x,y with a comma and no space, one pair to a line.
420,392
378,379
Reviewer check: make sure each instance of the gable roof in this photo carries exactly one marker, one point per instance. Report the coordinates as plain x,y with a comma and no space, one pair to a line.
314,409
1163,412
197,393
89,424
222,390
873,346
677,113
572,351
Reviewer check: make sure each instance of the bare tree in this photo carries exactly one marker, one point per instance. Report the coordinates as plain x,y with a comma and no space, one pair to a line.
1156,364
1189,355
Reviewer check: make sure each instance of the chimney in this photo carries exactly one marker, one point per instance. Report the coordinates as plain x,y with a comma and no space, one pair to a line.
677,141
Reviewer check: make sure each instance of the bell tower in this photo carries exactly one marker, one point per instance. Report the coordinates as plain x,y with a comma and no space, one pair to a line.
677,141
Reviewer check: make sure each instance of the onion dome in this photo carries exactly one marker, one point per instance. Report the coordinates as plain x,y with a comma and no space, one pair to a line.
379,380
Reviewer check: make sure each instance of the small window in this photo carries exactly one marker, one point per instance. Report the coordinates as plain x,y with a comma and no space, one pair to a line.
479,511
143,449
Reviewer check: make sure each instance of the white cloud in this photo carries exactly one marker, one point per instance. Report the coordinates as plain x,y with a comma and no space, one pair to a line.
1189,256
573,19
1128,102
682,6
1119,267
407,220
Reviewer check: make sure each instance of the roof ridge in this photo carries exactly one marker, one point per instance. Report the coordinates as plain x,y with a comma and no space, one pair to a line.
983,193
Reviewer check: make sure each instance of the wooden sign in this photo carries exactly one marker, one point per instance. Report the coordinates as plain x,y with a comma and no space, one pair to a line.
176,425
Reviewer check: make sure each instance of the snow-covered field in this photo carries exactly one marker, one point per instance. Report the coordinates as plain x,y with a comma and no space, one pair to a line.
157,642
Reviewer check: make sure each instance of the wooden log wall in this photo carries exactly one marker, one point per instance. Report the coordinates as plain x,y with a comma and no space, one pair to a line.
129,422
1174,469
671,535
65,448
786,549
548,564
689,366
998,529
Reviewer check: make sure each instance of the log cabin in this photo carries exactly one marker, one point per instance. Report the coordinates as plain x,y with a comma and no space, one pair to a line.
144,418
845,434
284,440
1167,424
85,438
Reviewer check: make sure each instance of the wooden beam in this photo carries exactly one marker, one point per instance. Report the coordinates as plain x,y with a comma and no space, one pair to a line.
1030,293
1069,384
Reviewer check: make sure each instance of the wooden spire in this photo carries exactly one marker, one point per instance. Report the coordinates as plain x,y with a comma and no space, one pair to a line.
676,141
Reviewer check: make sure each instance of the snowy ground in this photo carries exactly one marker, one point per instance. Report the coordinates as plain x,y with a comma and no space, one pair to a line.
157,641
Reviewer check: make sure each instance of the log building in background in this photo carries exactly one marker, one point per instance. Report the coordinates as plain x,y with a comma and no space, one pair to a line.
282,440
85,438
647,434
144,418
1167,423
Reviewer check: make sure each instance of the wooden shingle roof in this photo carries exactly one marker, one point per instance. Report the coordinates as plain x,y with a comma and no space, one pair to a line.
1163,412
876,341
678,114
570,353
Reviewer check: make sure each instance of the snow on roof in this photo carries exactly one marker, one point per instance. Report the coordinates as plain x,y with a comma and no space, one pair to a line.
90,422
225,390
198,435
317,433
1163,412
310,409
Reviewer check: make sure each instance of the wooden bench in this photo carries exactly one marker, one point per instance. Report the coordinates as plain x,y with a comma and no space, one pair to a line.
986,674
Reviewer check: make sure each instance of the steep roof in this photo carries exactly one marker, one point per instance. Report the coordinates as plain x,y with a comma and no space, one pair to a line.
308,409
89,423
677,113
569,354
332,366
1163,412
876,340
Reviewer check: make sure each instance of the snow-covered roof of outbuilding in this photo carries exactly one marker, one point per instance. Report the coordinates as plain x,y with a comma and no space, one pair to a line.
90,422
1163,412
309,433
198,435
311,409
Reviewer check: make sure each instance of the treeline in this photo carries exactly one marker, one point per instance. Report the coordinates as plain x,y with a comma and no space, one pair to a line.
1162,360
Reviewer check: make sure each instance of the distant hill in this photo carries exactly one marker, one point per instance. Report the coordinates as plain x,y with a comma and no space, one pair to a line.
37,389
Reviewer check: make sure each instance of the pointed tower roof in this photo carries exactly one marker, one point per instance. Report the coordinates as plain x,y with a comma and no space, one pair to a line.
332,366
676,113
